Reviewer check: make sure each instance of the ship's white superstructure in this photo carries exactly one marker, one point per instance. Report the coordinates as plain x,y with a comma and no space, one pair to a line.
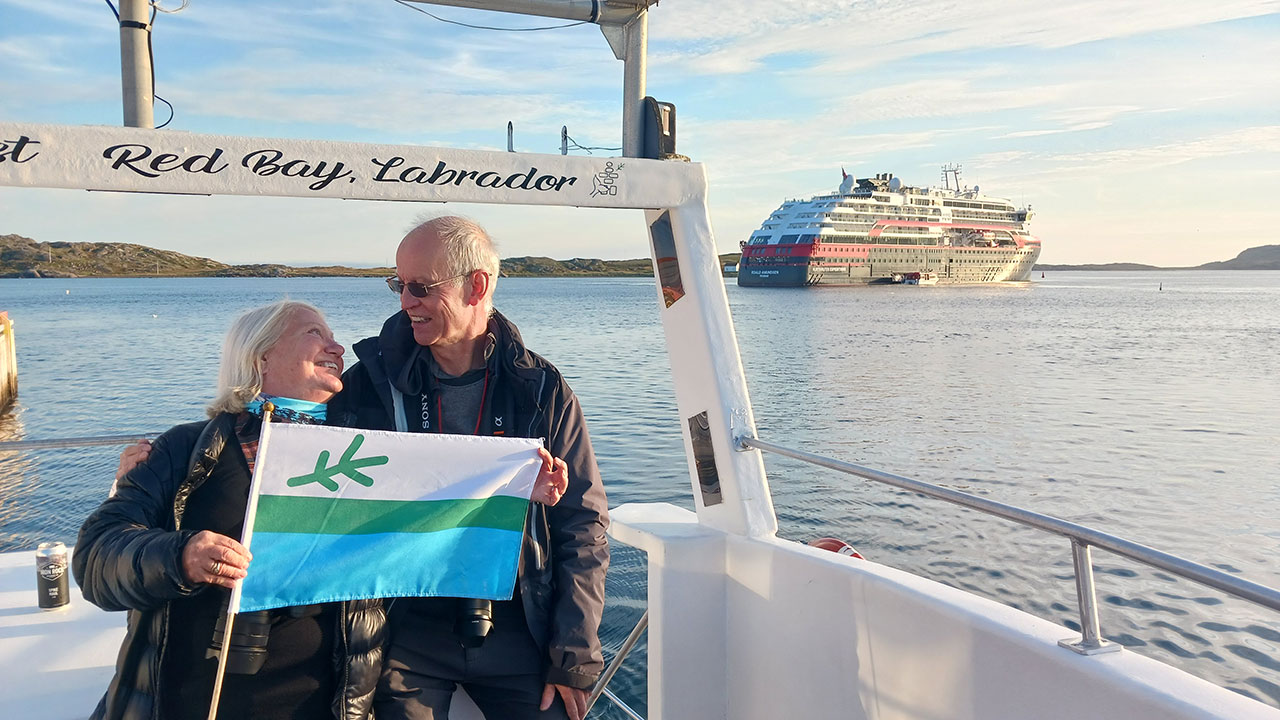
874,228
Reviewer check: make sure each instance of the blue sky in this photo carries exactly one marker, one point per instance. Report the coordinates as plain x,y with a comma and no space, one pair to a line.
1145,131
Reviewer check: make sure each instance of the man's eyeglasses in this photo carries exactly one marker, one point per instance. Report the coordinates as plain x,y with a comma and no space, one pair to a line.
417,289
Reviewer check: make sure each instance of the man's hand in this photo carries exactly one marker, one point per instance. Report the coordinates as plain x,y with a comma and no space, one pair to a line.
575,700
214,559
553,479
133,456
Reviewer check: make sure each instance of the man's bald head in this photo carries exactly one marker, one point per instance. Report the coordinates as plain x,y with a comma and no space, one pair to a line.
466,245
457,244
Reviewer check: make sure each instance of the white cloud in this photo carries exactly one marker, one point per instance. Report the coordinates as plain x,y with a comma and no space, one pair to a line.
1253,141
715,37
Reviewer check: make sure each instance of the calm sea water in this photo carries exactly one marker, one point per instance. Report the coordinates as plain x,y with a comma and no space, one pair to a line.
1097,397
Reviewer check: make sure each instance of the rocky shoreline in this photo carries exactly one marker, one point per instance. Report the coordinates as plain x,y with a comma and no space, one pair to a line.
22,257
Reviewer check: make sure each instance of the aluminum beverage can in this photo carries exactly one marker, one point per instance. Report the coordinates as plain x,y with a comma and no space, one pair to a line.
51,576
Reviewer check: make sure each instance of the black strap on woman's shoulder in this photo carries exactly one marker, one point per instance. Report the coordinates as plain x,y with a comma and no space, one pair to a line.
209,445
204,457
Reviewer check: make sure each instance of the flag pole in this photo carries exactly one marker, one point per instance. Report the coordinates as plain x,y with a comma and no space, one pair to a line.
233,605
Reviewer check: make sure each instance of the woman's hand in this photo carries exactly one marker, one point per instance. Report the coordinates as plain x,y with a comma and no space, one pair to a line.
214,559
133,456
553,479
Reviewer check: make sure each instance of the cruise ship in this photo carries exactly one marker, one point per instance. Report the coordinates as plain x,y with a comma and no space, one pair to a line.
878,230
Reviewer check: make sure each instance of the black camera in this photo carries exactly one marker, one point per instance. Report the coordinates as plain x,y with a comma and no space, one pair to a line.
474,623
249,635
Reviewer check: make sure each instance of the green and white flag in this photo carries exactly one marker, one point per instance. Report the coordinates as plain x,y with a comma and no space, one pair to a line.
342,514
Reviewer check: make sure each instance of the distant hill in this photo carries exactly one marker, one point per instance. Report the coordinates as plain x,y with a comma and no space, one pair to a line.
23,257
1264,257
546,267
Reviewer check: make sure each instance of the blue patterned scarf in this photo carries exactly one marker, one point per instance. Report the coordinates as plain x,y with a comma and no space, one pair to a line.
289,410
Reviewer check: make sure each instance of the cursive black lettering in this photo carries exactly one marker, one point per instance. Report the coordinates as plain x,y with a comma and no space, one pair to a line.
128,154
390,171
162,160
529,180
414,174
528,177
385,167
139,159
266,163
12,149
440,173
205,163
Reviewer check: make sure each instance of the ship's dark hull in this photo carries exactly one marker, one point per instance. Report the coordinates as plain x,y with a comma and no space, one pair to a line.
766,276
963,266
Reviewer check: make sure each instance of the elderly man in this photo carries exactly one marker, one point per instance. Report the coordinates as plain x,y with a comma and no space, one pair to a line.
448,362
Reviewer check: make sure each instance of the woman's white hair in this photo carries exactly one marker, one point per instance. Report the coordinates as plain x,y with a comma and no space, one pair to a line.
247,342
467,247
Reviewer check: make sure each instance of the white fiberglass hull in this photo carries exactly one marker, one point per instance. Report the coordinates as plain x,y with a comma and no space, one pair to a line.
757,627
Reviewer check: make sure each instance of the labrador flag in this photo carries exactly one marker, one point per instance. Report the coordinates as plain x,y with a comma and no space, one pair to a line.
344,514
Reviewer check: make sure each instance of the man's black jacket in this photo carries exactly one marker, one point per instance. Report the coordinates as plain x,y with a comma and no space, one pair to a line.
565,552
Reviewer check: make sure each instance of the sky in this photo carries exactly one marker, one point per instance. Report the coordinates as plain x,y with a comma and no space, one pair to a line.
1138,130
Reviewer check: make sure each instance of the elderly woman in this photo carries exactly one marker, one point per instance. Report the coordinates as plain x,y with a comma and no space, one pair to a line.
163,547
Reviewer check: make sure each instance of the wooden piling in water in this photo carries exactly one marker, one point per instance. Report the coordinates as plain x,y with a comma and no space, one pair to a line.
8,363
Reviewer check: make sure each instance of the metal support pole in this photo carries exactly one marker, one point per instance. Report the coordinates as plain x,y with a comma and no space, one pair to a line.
135,64
1091,641
616,663
634,67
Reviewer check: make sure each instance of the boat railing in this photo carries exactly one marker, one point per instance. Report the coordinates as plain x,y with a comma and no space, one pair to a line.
73,442
602,684
1082,538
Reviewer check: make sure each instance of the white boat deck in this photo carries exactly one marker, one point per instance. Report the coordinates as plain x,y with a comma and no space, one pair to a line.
56,664
53,664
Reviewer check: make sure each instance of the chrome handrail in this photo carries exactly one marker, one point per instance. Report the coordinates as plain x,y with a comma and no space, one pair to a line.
73,442
626,710
1082,538
601,684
